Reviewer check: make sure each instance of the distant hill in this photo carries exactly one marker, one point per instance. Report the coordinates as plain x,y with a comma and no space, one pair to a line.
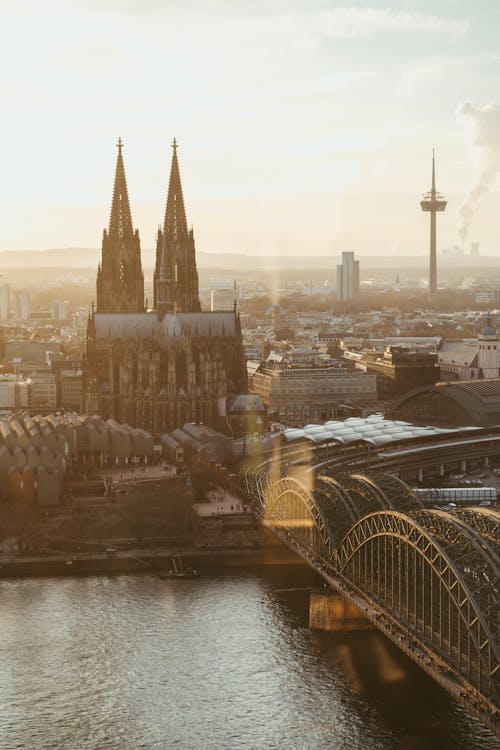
82,257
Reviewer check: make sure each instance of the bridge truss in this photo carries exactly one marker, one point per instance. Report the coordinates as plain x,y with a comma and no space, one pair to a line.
429,578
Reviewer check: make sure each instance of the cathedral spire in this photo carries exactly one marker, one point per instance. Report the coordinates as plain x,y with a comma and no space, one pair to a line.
120,281
175,225
120,220
176,276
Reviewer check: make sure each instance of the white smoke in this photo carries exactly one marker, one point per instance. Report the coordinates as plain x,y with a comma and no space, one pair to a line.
482,136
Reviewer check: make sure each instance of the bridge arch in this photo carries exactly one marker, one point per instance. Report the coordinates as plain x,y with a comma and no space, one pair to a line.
485,521
292,511
399,496
417,569
336,505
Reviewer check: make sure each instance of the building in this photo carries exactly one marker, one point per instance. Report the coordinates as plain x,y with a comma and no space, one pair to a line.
22,306
196,442
246,415
37,451
4,302
283,320
71,390
42,390
59,310
160,368
487,355
28,351
488,297
14,392
297,395
224,299
348,278
471,359
399,369
470,402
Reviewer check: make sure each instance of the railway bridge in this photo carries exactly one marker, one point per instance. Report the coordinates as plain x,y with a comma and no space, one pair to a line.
428,579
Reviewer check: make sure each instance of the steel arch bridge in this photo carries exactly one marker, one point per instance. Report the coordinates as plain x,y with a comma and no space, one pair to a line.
429,579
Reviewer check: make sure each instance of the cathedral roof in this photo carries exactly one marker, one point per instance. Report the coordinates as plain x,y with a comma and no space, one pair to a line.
207,323
125,325
146,325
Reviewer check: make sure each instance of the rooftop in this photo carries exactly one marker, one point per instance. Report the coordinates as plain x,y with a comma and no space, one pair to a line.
373,430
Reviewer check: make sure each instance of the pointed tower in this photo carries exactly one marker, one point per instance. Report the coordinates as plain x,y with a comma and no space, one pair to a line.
120,281
433,202
176,275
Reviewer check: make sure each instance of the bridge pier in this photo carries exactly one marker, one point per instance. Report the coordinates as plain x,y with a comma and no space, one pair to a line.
331,611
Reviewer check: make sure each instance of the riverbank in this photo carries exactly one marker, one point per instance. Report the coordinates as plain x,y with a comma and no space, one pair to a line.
133,561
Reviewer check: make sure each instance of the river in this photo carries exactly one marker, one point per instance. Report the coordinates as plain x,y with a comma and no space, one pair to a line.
222,662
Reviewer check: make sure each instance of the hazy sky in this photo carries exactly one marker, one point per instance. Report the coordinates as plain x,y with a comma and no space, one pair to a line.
304,127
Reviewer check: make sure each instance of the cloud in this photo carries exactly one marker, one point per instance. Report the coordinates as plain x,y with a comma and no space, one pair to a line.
445,64
363,23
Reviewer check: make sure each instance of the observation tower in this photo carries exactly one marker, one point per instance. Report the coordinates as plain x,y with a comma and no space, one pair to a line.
433,202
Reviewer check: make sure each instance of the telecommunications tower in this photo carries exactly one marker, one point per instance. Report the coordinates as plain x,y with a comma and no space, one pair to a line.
433,202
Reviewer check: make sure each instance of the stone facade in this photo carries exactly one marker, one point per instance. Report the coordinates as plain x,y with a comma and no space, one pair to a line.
157,369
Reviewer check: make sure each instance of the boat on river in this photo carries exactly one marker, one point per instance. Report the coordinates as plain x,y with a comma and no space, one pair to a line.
178,570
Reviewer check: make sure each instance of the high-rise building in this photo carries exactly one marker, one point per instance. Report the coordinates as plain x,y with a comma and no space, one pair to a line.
4,302
161,368
59,310
22,307
433,202
474,249
224,297
348,278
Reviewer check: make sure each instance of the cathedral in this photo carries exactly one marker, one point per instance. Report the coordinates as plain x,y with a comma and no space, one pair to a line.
158,368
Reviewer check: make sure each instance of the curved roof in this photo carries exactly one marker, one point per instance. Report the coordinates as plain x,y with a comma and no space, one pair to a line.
367,430
479,399
488,329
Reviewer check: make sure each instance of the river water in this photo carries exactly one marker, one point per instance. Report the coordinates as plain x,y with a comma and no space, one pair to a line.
222,662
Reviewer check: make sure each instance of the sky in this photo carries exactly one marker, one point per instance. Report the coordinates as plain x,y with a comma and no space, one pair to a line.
305,127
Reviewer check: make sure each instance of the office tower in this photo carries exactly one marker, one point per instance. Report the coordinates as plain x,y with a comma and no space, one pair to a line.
348,278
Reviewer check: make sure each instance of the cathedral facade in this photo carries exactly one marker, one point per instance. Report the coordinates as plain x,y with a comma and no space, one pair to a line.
158,368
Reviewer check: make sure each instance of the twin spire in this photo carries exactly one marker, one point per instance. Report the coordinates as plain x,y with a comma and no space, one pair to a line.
175,225
175,277
120,220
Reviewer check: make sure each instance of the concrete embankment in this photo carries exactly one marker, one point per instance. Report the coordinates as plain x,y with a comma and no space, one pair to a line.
144,560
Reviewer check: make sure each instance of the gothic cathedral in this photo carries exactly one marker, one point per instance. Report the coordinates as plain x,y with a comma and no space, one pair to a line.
159,368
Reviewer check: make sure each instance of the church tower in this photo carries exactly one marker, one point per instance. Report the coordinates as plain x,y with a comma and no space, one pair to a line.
176,275
487,359
120,281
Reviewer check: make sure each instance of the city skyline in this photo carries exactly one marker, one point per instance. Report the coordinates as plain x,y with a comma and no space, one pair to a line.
318,118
